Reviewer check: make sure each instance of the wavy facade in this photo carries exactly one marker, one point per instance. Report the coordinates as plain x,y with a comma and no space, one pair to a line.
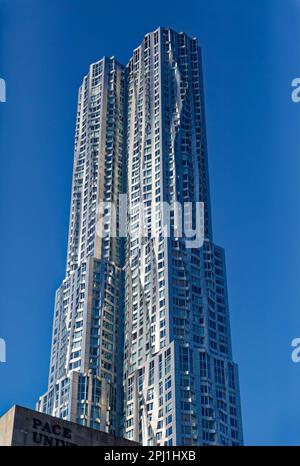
85,379
141,341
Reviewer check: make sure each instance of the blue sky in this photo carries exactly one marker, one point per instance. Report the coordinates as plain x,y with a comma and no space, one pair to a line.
250,56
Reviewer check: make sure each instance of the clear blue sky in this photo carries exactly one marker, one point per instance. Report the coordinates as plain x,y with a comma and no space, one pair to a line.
251,53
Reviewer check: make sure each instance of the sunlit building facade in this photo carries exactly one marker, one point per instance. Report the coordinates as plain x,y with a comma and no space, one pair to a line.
181,385
141,339
85,379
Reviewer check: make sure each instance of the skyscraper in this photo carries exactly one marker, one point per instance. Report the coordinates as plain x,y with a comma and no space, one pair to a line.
152,305
85,378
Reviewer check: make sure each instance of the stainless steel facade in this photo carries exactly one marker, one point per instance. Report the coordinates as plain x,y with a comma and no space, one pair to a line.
150,306
181,386
85,379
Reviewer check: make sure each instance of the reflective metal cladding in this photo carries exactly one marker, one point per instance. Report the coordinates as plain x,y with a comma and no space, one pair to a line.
141,343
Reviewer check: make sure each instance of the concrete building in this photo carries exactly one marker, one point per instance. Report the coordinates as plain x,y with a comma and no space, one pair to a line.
141,341
25,427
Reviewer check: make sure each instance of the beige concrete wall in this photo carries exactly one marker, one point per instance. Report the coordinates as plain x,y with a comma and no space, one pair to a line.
25,427
6,427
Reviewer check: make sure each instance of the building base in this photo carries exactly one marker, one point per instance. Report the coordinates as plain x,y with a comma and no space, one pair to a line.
25,427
